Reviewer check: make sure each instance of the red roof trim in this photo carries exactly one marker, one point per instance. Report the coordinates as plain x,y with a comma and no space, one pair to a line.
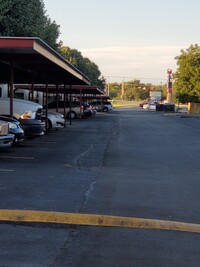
16,43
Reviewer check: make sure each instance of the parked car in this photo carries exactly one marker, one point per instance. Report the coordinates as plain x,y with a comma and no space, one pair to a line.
75,111
169,107
104,106
55,120
141,104
88,110
150,105
14,128
6,139
27,112
145,106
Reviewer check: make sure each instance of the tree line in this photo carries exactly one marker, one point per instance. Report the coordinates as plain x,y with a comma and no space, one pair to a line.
134,90
29,19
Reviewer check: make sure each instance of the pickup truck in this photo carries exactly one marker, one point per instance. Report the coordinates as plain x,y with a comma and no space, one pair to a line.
6,139
27,112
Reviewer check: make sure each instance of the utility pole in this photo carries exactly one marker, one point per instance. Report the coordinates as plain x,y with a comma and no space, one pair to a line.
122,90
108,86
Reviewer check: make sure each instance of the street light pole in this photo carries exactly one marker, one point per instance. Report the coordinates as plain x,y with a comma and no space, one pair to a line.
169,86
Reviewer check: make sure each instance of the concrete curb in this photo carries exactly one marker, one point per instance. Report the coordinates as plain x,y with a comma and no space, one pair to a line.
94,220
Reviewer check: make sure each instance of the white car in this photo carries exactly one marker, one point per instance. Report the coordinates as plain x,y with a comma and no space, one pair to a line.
146,106
75,111
150,106
55,120
104,106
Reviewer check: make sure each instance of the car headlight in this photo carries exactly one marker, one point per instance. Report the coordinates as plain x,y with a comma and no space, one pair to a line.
12,125
58,116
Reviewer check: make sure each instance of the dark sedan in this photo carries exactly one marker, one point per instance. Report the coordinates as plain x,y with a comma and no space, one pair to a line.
15,128
31,127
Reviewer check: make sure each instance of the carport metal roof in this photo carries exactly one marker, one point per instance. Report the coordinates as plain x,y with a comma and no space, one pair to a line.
73,89
33,61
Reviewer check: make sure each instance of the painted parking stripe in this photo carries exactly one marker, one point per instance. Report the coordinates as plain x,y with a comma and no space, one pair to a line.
13,157
95,220
6,170
45,142
39,148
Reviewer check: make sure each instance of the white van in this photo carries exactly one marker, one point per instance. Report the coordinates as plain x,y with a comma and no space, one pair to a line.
27,112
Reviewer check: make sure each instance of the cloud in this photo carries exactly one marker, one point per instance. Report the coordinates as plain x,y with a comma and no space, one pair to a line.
141,62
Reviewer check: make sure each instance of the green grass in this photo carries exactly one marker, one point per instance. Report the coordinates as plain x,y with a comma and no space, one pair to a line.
121,103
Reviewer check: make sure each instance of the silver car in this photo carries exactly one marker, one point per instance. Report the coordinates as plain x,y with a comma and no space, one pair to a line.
104,106
55,120
72,110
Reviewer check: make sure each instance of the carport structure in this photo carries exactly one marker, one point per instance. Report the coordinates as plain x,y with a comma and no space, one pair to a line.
83,92
65,92
28,60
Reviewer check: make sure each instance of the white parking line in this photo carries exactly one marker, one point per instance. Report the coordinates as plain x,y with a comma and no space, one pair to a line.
15,157
41,148
5,170
45,142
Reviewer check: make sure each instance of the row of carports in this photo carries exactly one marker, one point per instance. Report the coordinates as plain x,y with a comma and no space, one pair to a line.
29,63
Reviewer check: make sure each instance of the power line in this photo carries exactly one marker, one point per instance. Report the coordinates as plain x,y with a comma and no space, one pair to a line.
134,78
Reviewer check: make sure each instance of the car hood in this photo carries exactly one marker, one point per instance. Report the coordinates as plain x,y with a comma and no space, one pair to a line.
8,119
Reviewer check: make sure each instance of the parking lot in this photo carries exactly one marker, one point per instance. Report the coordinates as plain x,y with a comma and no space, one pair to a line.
128,162
38,167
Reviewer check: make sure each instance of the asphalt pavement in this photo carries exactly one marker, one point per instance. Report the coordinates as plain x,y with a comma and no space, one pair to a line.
127,163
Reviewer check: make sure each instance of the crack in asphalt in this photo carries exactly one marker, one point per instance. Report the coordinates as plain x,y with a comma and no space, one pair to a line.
77,160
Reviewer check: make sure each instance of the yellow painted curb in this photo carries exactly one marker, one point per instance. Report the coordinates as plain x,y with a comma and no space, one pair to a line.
95,220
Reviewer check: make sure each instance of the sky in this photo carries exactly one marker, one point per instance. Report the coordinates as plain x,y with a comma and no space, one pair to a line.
128,39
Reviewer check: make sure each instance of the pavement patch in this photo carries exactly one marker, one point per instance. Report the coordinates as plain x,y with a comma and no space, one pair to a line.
94,220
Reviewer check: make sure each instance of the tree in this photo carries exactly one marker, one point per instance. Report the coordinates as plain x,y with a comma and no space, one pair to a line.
87,67
187,76
135,90
23,18
51,33
115,90
92,71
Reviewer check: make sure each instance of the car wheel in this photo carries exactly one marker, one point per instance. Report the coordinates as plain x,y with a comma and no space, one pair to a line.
49,125
105,109
71,115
